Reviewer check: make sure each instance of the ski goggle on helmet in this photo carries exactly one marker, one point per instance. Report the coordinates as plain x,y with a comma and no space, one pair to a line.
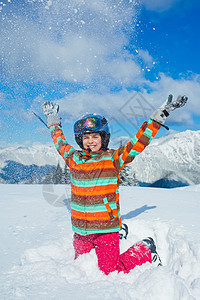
93,123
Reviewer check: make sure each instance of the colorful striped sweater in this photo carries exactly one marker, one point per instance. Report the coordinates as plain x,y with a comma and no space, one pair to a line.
95,180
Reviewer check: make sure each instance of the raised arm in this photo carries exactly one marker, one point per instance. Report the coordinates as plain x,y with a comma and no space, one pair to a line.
126,154
147,131
53,121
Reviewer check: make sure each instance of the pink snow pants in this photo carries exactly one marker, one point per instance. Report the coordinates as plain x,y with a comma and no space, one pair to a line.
108,252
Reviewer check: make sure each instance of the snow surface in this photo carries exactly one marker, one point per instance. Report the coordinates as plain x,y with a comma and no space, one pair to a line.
37,257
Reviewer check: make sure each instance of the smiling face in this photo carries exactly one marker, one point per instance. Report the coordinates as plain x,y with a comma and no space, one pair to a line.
92,141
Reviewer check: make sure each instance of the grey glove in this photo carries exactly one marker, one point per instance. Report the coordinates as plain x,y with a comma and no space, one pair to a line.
162,113
50,110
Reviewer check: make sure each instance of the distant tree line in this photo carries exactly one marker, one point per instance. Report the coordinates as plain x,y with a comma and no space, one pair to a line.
55,176
127,177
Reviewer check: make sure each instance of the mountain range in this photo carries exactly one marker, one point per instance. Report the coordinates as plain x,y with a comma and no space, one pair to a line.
19,164
169,161
173,160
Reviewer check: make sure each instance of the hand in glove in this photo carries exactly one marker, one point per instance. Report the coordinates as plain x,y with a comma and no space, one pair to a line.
50,110
162,113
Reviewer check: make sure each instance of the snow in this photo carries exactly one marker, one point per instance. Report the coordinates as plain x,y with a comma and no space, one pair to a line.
37,256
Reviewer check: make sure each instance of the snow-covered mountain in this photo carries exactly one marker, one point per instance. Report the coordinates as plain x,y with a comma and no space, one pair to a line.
38,154
19,164
174,158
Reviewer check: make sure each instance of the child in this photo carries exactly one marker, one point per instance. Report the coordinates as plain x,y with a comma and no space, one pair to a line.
95,210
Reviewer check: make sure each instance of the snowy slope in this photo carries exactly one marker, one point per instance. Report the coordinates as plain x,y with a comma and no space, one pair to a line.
174,157
37,253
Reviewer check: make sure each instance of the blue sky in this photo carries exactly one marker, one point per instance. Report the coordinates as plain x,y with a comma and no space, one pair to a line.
109,57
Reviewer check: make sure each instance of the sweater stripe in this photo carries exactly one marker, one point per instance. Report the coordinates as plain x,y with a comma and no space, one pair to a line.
90,191
92,216
93,182
93,231
91,208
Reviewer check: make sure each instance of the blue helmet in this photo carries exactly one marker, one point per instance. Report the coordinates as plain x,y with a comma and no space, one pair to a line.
92,123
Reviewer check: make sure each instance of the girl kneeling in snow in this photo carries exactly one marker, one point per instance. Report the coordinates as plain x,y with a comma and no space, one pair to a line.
95,210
